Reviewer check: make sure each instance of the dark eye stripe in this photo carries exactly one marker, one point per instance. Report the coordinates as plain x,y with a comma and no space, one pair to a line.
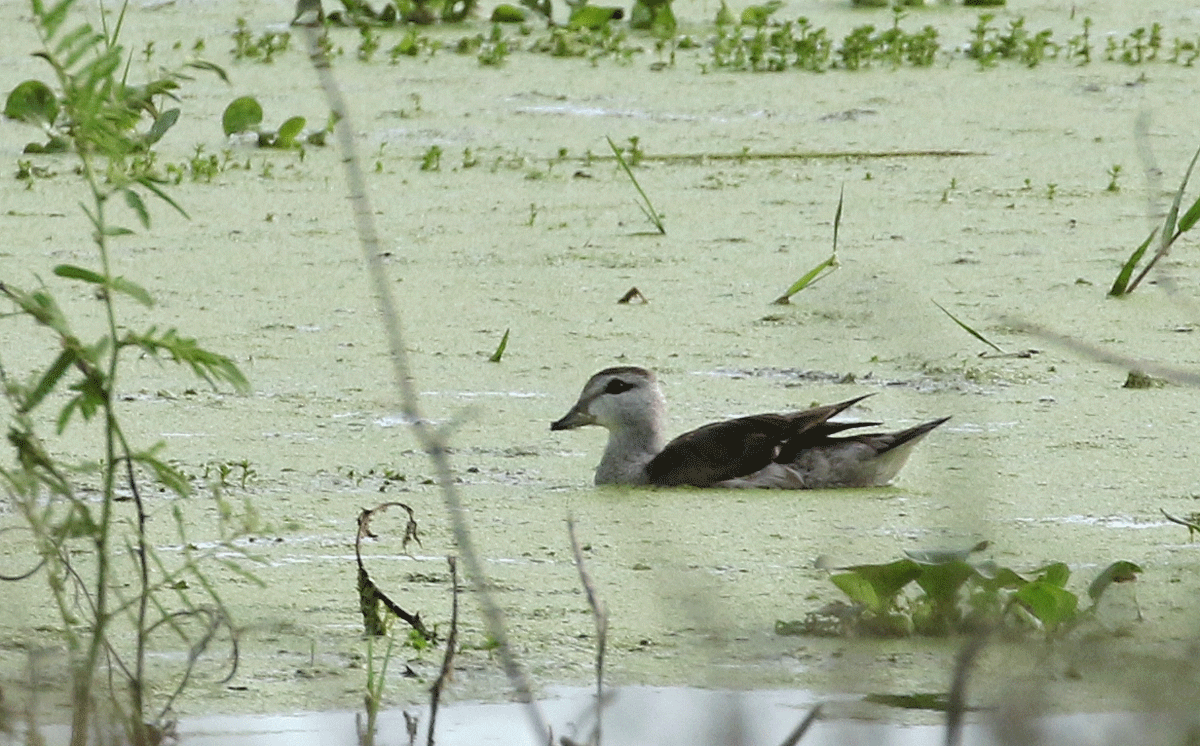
617,386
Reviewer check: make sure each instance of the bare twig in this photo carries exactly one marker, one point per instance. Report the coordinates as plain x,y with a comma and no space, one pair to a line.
958,688
795,736
435,691
432,441
600,616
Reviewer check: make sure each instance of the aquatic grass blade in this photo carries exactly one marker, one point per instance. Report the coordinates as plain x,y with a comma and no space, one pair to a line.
499,353
809,277
1120,286
1169,233
647,207
831,263
969,330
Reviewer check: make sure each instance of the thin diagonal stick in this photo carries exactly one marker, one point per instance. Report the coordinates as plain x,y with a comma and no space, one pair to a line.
600,615
431,440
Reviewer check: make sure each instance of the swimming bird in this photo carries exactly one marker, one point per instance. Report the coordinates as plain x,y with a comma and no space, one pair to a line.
794,450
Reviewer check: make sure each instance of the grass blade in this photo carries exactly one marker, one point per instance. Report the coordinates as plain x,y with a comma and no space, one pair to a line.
499,353
1120,286
1169,234
647,208
969,330
809,278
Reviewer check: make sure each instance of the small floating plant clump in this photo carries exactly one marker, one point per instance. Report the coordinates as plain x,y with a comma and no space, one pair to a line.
955,595
245,114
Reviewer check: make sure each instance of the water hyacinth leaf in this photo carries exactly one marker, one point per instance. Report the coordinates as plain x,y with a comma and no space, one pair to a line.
859,589
995,577
1121,571
942,581
242,115
32,101
885,581
1055,573
288,132
593,17
499,353
1051,604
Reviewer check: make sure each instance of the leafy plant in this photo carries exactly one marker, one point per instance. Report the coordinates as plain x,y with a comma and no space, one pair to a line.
819,271
1172,228
114,593
244,114
956,595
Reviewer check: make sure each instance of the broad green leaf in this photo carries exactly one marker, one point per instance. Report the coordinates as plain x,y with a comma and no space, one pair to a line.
592,16
164,122
942,581
1048,602
32,101
288,132
858,589
1120,286
1121,571
242,115
885,581
1055,573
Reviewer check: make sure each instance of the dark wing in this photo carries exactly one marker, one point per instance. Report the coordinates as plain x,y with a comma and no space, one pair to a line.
736,448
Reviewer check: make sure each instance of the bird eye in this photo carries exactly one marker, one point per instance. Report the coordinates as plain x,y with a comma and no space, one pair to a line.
617,386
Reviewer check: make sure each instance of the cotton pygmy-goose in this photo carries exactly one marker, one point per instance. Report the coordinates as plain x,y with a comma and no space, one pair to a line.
795,450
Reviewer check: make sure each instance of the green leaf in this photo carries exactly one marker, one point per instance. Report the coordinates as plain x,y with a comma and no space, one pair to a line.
49,379
150,184
1055,573
592,16
1050,603
1190,217
242,115
1120,286
72,272
499,353
209,67
968,329
32,101
1168,232
134,200
859,589
807,279
942,581
210,366
133,290
164,122
288,132
885,581
167,475
1121,571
